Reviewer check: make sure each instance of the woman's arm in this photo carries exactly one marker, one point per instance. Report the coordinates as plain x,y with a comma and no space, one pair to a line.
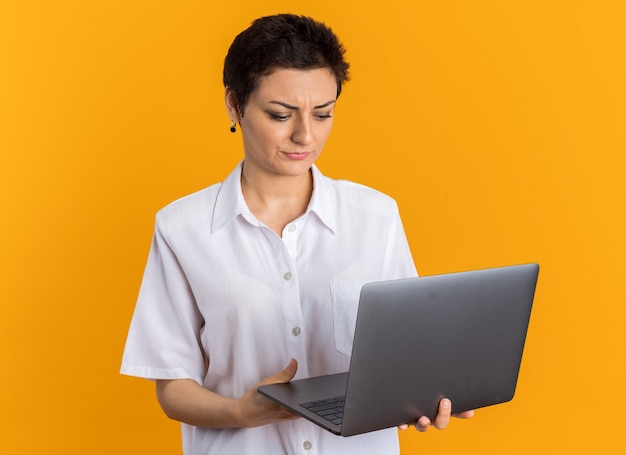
187,401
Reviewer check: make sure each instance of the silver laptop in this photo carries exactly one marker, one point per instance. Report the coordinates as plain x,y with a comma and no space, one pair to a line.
418,340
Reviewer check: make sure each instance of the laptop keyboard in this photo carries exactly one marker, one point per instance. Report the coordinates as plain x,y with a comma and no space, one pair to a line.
330,409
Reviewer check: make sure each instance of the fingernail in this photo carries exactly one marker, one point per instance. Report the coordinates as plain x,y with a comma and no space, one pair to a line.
445,403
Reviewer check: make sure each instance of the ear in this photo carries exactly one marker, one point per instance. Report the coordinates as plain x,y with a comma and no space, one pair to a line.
232,106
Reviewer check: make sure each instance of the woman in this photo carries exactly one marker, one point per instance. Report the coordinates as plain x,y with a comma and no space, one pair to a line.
266,266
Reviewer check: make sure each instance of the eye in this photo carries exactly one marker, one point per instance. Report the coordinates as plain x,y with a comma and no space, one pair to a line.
279,117
323,116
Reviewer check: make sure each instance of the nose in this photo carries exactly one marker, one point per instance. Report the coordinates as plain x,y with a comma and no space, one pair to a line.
302,132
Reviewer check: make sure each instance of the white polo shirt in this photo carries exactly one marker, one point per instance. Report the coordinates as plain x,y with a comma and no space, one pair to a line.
220,283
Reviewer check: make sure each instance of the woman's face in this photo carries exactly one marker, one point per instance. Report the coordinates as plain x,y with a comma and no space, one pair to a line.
287,121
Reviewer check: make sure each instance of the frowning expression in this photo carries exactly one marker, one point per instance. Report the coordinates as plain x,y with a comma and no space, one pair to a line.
287,120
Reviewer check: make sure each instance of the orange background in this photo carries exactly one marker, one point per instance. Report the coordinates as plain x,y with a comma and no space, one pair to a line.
500,128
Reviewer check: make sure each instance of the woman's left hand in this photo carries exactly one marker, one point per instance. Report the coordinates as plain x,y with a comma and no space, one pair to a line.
442,420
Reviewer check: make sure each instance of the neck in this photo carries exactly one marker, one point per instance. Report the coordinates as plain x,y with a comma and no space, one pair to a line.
266,187
276,200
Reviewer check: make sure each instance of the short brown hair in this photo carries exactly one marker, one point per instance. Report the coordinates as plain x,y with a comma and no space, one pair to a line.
281,41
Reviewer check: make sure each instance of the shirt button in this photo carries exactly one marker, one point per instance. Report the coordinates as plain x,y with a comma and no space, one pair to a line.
295,332
291,227
308,445
287,276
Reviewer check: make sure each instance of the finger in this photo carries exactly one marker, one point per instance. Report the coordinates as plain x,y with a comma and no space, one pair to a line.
443,416
423,424
285,375
288,373
464,414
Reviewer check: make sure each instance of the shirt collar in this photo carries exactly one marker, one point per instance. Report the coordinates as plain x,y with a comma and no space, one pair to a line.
230,202
323,199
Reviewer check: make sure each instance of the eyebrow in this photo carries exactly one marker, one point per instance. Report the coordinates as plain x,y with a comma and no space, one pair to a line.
296,108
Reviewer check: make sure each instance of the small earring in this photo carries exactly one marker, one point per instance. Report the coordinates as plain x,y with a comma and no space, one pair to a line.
233,127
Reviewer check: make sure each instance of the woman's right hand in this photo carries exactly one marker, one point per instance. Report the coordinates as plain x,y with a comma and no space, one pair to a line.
187,401
253,409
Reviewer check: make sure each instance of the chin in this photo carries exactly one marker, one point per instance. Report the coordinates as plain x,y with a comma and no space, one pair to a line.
297,169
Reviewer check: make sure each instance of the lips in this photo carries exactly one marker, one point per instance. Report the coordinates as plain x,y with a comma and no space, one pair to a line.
298,155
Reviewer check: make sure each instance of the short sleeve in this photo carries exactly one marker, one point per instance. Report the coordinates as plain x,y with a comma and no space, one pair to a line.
398,259
164,337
